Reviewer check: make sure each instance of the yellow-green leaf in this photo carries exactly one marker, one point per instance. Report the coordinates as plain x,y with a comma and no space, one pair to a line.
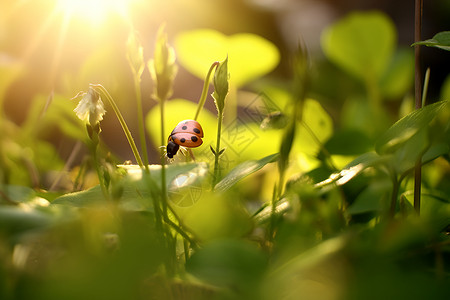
250,56
362,43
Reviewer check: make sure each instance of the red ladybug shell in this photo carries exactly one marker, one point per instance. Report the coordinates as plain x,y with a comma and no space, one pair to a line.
189,126
187,133
186,139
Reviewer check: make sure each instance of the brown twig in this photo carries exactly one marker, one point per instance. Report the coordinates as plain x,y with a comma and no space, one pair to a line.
418,97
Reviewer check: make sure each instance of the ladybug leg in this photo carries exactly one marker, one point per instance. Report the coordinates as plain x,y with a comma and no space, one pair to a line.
191,154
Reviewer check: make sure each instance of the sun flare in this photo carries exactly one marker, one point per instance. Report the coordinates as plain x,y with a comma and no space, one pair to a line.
94,11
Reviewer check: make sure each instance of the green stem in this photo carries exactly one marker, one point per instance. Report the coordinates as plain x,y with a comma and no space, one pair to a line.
425,87
217,152
273,202
163,162
395,189
101,178
154,191
202,100
281,180
179,227
373,92
418,165
328,159
137,88
100,88
186,250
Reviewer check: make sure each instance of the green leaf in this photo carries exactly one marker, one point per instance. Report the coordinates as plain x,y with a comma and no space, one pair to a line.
362,43
435,207
316,128
212,150
243,170
228,263
251,56
86,198
216,215
358,114
440,40
286,278
17,220
405,158
247,141
398,78
58,113
372,199
348,142
406,127
136,190
17,193
445,89
353,169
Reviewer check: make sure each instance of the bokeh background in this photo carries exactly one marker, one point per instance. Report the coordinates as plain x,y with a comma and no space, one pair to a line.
60,47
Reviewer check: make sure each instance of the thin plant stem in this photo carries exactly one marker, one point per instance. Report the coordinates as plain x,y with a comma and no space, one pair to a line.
154,196
93,133
163,162
140,113
75,151
217,152
324,151
273,202
281,181
186,250
425,87
178,228
395,189
202,100
101,179
373,91
418,95
122,122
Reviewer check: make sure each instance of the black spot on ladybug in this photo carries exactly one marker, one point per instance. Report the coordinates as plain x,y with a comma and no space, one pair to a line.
196,130
184,127
182,140
194,138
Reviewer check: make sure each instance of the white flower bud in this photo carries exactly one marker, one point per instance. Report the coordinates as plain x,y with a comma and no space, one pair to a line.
91,108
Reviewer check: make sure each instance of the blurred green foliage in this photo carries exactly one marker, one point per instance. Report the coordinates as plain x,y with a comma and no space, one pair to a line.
330,234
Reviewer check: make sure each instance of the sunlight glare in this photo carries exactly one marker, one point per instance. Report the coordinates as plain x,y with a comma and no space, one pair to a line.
94,11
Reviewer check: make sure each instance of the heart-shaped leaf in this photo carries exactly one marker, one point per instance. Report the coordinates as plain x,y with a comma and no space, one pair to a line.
250,56
361,43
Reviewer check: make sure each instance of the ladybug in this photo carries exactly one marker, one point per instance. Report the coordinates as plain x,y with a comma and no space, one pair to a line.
187,133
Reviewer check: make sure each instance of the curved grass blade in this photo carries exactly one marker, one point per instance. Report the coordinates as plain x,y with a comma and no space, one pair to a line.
243,170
